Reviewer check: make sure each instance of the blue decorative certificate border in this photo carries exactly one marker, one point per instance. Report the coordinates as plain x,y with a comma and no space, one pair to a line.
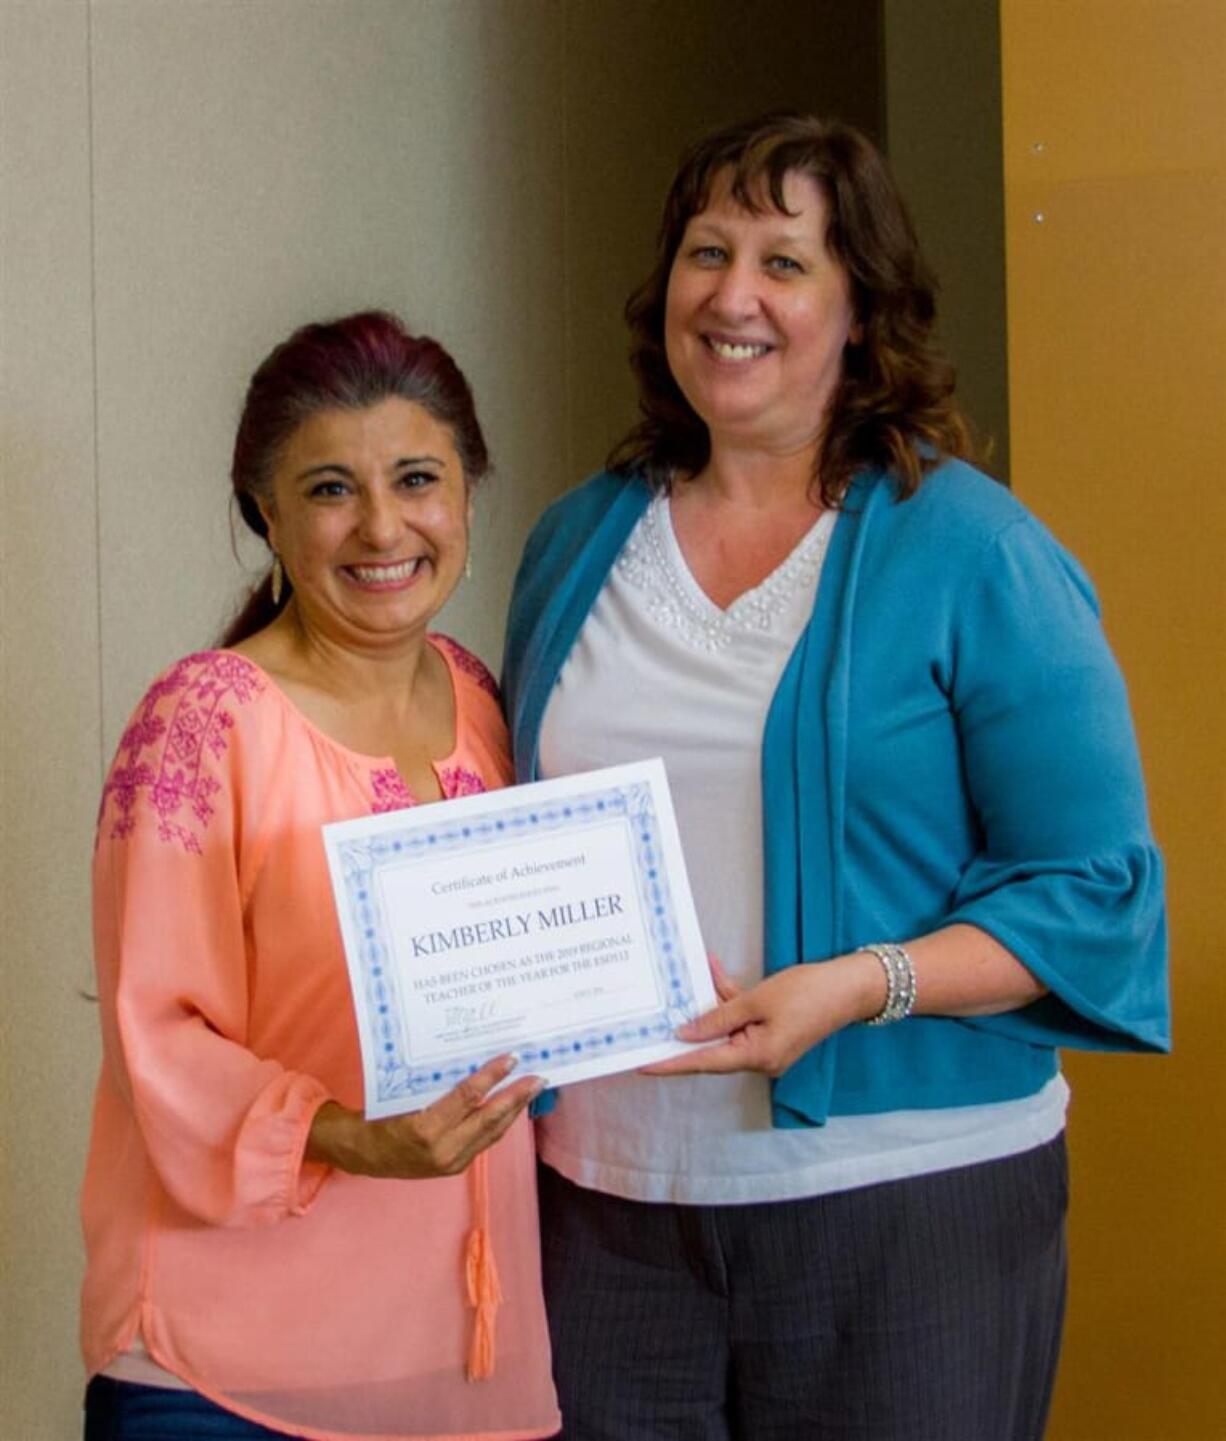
396,1077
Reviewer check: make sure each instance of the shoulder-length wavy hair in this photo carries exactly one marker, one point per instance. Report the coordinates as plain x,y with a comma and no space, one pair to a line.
346,364
893,408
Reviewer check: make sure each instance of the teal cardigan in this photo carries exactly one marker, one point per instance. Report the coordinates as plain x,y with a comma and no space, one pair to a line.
950,742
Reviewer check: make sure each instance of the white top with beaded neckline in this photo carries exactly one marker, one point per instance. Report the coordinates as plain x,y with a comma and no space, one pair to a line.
659,669
653,561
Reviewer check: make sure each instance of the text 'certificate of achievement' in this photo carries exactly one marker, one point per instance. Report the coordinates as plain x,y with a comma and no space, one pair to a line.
554,920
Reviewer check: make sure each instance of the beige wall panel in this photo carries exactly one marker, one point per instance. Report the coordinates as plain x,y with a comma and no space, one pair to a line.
643,80
942,85
262,164
49,727
1115,122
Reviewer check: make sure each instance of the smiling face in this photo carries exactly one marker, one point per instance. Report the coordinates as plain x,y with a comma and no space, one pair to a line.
369,513
757,316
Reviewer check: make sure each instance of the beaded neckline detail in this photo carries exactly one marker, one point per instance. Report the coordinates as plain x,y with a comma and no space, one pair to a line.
651,560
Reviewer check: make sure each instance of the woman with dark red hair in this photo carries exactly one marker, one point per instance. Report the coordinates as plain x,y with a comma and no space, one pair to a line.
262,1260
911,804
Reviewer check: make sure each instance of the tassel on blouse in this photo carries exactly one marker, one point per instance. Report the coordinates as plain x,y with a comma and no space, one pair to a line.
481,1276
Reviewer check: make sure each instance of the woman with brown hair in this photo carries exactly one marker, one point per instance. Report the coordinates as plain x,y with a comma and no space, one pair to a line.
262,1260
910,799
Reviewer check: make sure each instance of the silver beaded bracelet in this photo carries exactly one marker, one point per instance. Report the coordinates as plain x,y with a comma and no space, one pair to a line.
899,982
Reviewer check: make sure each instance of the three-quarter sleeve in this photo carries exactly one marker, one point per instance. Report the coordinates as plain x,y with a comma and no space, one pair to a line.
1068,877
224,1126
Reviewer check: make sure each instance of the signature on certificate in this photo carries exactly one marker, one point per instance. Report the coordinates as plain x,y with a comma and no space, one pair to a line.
463,1018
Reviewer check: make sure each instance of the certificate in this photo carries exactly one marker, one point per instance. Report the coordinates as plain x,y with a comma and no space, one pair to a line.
553,920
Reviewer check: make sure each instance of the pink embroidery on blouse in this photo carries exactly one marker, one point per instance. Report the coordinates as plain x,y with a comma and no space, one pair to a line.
164,754
391,793
468,663
459,781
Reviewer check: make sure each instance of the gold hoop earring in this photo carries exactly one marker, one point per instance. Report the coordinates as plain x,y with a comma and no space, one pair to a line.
278,579
468,565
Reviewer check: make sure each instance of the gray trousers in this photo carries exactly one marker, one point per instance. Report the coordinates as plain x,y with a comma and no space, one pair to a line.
926,1309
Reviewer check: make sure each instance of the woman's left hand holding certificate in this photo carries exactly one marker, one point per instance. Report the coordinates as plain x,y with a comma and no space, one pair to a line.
440,1140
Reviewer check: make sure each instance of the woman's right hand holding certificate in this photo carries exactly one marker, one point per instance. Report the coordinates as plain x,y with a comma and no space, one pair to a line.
440,1140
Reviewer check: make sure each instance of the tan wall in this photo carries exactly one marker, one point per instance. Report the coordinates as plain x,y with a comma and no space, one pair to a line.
1115,170
181,181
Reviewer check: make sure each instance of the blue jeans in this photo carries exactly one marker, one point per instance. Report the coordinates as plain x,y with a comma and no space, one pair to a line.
124,1411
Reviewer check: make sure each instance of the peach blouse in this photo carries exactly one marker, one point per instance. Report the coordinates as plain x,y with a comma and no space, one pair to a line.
319,1303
